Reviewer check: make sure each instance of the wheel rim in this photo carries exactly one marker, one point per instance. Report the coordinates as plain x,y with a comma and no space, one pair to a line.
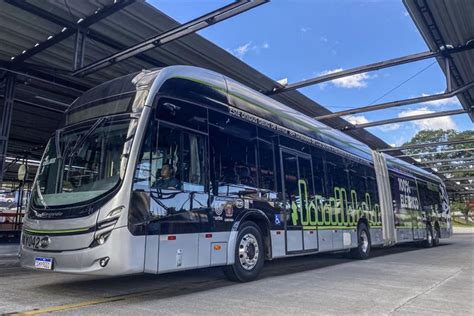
364,241
248,251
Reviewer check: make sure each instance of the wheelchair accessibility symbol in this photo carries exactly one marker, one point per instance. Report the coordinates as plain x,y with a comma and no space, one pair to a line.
277,219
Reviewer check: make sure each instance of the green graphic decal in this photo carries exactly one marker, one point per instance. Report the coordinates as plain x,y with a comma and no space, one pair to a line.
336,211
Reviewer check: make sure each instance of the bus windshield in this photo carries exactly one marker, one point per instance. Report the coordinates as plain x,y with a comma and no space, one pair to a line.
84,162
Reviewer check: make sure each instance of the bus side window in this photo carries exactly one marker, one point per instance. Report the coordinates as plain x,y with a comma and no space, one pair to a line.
318,157
178,160
233,153
266,166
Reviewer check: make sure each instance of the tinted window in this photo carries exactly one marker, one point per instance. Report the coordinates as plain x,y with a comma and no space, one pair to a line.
318,157
336,173
182,113
266,166
233,153
429,197
178,160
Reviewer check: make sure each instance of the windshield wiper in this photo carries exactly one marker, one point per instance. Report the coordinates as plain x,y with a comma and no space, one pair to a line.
83,138
41,198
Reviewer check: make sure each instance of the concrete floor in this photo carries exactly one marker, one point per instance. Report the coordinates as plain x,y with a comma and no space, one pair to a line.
401,280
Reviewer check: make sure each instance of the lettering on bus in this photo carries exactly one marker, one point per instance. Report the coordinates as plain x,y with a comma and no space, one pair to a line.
407,200
342,209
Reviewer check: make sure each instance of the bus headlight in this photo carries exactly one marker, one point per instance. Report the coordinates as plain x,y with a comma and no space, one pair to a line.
100,239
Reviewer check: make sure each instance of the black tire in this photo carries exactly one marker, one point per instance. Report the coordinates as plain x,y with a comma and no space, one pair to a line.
245,269
364,243
428,243
436,236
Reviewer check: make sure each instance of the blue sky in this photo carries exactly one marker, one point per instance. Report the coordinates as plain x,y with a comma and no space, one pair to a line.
301,39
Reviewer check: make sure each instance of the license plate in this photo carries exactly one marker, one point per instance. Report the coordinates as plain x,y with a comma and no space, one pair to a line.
44,263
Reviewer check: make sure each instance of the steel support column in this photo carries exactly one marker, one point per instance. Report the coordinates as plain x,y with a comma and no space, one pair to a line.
79,48
6,119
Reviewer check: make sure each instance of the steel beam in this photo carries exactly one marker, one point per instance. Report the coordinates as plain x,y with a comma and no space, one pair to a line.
190,27
406,119
437,152
397,103
6,119
91,34
458,159
424,145
370,67
442,167
456,170
66,32
49,79
17,100
461,179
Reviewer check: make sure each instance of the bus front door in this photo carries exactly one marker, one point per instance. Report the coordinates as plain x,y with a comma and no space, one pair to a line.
300,223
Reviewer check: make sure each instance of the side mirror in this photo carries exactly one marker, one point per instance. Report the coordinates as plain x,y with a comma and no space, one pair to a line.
22,172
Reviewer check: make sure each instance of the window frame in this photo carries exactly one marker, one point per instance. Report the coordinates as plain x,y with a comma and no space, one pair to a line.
157,122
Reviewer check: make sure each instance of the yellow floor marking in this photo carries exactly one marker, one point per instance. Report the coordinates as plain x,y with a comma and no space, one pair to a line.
82,304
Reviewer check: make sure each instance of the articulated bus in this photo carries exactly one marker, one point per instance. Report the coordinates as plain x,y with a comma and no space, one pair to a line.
181,168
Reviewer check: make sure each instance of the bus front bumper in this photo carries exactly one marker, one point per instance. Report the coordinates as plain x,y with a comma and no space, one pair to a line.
121,254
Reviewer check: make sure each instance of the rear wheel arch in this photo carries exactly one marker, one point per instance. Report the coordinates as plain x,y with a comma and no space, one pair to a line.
363,220
364,243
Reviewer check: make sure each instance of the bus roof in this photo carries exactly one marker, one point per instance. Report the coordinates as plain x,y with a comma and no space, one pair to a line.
250,101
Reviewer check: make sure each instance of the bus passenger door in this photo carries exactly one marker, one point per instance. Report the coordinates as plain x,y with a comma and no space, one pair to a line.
300,223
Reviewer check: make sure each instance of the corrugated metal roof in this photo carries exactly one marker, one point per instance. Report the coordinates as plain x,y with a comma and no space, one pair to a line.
448,22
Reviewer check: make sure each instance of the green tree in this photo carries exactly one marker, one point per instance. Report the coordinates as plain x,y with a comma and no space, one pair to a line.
462,208
461,167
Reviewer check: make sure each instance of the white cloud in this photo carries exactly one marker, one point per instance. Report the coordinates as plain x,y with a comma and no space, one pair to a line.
355,81
443,122
388,127
357,119
406,13
305,29
243,49
449,101
323,39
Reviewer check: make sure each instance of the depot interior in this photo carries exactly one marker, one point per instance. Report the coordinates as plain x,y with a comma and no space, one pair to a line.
51,54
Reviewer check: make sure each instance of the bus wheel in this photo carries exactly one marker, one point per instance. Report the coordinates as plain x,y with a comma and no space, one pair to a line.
249,254
428,243
436,236
364,244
